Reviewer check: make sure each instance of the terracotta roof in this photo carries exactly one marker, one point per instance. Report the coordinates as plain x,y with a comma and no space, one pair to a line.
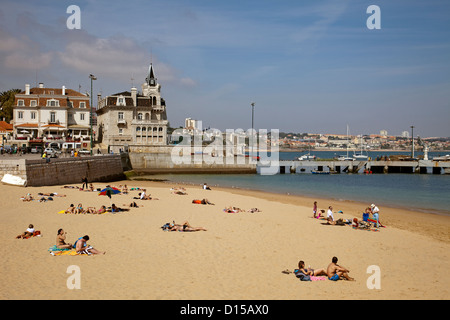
5,126
56,91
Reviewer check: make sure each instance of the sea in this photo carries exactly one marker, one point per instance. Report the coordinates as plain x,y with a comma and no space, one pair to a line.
429,193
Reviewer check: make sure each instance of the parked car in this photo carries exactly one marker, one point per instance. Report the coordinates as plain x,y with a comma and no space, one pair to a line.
36,149
84,151
52,153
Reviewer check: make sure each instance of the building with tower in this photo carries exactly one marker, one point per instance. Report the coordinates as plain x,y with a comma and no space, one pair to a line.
131,119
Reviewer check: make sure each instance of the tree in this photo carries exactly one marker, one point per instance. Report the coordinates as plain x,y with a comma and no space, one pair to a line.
7,104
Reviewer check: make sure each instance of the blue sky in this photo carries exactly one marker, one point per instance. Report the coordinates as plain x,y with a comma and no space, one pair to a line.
309,66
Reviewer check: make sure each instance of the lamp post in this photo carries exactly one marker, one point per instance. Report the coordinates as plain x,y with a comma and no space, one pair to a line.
253,128
92,77
412,136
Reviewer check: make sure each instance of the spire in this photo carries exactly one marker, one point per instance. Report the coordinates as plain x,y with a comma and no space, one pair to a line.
151,79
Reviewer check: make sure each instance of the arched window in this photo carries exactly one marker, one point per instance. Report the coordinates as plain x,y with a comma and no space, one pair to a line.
147,116
138,130
139,116
154,101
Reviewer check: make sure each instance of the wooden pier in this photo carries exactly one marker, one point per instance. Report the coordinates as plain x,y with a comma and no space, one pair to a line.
382,166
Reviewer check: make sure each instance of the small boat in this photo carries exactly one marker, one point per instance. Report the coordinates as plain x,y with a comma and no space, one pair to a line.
319,172
442,158
307,156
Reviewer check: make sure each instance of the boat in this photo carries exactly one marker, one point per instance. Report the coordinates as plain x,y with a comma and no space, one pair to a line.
442,158
361,156
307,156
345,158
14,180
319,172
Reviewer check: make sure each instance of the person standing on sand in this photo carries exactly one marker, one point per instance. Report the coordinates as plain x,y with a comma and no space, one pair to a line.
335,271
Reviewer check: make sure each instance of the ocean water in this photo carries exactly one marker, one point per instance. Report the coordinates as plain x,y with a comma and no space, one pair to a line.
422,192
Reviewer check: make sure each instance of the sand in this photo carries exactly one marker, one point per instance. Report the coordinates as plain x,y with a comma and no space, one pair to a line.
240,256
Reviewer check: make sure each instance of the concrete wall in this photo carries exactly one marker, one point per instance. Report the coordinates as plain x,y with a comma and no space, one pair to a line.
153,162
66,170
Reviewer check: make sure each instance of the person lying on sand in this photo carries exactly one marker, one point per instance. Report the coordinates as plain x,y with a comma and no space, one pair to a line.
203,201
253,210
180,191
28,197
185,227
28,233
51,194
82,248
233,210
61,240
309,271
70,209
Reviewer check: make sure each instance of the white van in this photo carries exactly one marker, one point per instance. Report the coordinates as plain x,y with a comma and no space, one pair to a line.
71,145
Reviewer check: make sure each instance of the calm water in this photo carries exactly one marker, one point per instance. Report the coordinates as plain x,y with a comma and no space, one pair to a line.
423,192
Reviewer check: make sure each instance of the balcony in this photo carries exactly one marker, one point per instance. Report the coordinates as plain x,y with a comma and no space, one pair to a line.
149,122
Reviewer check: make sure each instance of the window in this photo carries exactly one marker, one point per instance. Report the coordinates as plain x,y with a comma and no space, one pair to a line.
33,115
82,104
52,117
120,131
120,116
52,103
20,103
139,116
81,116
33,103
70,104
20,114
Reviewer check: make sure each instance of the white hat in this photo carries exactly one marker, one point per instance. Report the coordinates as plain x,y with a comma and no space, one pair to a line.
372,205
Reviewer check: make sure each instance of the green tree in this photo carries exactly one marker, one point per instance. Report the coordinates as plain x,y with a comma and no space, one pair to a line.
7,104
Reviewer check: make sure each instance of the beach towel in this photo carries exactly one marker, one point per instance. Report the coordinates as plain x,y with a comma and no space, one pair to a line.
69,252
37,233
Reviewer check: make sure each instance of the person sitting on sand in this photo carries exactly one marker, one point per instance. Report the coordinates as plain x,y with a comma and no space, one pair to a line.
79,209
61,240
330,217
205,187
335,271
309,271
185,227
82,248
28,233
143,196
125,189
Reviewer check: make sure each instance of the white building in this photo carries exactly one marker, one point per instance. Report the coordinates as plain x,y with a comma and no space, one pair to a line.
131,119
51,115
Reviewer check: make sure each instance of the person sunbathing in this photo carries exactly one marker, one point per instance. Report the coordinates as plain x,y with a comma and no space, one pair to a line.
61,240
185,227
82,248
51,194
253,210
28,233
203,201
233,210
71,209
79,209
180,191
310,271
28,197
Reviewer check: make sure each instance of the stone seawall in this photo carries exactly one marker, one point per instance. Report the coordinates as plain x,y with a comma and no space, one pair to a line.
65,170
156,162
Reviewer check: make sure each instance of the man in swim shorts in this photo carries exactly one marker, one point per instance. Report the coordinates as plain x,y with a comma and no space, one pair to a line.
335,271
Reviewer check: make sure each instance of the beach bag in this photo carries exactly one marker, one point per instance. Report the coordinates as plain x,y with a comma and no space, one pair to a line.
365,216
301,275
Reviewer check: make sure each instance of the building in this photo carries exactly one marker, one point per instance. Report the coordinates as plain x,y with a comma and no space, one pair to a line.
56,116
133,119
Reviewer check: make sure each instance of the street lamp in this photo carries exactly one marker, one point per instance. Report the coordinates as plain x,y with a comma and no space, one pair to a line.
92,77
253,128
412,136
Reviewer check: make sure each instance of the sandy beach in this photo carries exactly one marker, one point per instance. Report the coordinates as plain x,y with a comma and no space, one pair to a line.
240,256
